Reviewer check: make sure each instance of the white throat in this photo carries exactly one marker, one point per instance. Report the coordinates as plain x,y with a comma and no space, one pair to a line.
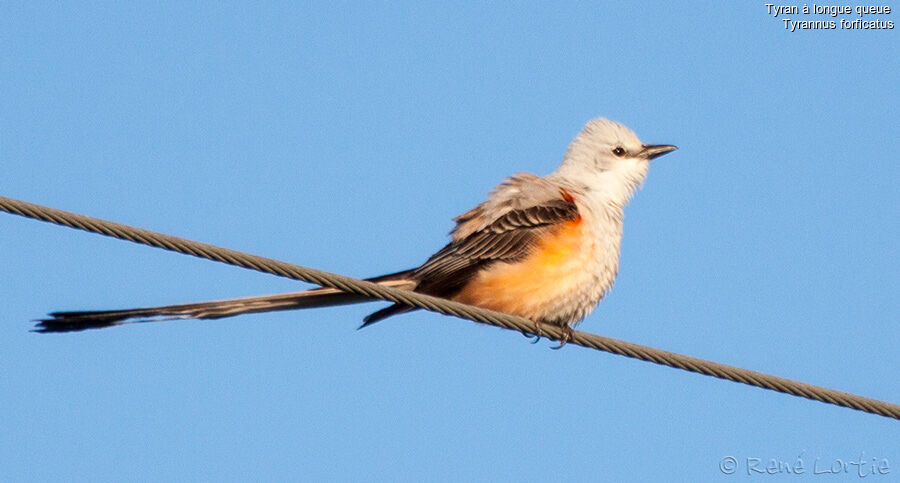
612,187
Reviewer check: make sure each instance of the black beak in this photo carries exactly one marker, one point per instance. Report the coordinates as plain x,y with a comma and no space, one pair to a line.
651,151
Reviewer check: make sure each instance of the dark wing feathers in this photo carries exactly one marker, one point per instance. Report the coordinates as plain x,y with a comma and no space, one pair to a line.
510,237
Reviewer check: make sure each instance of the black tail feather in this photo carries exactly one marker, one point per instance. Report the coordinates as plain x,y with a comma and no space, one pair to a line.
76,321
384,313
73,321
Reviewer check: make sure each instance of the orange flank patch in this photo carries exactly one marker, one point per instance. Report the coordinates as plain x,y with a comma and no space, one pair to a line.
523,288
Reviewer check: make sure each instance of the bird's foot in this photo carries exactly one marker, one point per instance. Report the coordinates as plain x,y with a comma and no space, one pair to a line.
538,333
567,334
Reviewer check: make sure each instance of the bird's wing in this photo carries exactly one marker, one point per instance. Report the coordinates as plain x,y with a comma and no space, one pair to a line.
503,228
519,192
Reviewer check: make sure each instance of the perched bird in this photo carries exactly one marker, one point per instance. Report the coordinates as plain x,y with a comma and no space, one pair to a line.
543,248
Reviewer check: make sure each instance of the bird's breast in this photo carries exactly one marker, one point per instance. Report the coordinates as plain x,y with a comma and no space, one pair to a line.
559,281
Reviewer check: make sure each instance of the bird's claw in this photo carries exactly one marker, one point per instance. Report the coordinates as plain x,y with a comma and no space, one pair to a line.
538,333
567,334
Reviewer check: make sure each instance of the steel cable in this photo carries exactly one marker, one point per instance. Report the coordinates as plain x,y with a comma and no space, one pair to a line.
447,307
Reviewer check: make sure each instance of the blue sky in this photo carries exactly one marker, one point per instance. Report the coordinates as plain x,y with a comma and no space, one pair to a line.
345,138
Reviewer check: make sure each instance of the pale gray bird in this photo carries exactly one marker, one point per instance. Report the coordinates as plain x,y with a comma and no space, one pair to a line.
543,248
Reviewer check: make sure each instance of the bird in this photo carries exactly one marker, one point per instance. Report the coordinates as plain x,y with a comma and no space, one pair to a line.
543,248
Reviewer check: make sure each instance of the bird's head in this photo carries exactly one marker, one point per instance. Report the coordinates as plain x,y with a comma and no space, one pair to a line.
608,159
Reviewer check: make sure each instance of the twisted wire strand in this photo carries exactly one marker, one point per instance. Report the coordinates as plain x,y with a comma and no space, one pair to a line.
448,307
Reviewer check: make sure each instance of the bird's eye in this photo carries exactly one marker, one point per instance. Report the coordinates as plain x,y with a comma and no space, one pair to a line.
619,151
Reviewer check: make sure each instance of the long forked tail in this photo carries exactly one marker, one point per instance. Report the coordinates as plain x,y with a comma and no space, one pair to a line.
319,297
